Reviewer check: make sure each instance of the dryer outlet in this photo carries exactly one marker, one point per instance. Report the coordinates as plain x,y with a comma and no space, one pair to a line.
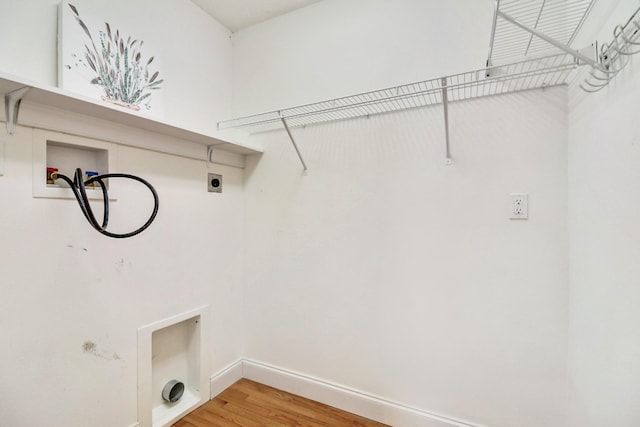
214,183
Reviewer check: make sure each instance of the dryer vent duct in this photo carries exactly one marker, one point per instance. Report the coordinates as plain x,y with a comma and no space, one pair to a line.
172,391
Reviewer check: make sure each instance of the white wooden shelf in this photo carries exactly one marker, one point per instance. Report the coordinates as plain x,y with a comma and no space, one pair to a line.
73,103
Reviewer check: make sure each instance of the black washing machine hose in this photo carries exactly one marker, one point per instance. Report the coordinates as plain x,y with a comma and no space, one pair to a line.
77,185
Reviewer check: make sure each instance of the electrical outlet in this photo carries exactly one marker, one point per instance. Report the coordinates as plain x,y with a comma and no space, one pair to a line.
214,183
518,206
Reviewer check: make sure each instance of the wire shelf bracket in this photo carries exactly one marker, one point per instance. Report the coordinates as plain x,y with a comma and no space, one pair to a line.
550,26
12,102
445,106
293,141
576,54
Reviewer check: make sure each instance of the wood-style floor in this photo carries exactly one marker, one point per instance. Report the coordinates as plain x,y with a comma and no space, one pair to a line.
250,404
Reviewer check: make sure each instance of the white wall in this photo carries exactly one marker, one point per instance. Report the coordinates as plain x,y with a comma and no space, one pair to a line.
384,270
341,47
388,272
193,49
63,284
604,203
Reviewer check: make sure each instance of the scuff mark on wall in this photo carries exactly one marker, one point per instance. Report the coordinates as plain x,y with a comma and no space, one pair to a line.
91,348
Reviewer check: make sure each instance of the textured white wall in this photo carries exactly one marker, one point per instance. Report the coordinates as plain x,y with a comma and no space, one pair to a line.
604,204
193,49
388,272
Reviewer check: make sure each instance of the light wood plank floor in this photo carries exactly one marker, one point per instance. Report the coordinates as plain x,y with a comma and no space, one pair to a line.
250,404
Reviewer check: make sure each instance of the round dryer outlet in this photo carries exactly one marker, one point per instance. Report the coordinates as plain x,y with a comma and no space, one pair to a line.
214,183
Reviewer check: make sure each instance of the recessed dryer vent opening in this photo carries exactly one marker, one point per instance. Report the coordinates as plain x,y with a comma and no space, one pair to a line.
172,380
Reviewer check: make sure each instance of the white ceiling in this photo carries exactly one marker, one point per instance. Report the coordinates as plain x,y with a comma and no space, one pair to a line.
239,14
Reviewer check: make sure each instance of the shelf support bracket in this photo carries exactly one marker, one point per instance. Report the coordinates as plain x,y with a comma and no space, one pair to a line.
293,141
445,107
496,7
12,102
579,56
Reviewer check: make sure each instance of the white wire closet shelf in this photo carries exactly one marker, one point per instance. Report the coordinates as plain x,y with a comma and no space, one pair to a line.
533,74
523,28
559,20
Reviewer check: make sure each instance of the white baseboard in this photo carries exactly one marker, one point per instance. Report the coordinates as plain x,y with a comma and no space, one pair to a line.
341,397
225,378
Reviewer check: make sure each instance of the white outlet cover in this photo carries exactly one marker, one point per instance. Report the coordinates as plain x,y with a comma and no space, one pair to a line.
518,206
1,158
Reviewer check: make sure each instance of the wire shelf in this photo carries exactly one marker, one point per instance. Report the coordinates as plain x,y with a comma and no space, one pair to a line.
533,74
558,19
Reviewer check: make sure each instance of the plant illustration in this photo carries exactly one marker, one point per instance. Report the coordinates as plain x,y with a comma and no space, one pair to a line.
119,67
